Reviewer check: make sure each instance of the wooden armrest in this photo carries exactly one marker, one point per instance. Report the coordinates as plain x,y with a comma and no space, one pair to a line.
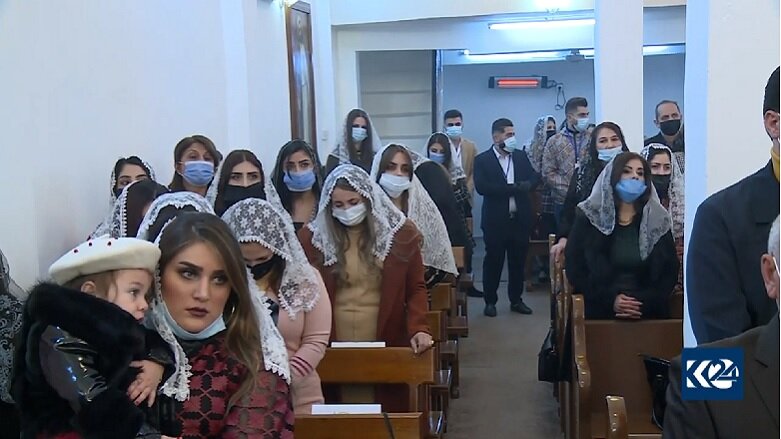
617,427
582,370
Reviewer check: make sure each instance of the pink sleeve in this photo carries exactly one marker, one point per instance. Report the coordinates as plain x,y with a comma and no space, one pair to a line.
314,340
266,413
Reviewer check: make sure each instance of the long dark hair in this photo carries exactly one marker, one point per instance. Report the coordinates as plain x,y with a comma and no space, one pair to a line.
139,195
130,160
278,174
235,157
618,168
385,160
242,336
592,147
367,149
443,140
177,183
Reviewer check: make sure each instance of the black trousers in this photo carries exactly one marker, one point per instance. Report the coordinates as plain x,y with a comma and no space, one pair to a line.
512,241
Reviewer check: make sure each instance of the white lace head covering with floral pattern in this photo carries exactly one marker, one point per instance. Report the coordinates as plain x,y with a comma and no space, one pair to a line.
12,298
177,200
677,204
600,209
256,220
437,251
341,152
455,169
272,196
387,219
113,183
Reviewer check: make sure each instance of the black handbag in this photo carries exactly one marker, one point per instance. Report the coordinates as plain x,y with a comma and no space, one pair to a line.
548,358
657,373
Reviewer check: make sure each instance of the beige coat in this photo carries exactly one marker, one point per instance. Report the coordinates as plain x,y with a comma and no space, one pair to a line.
468,153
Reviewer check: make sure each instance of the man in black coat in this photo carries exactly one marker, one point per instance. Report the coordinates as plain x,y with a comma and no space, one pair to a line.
504,177
724,287
757,414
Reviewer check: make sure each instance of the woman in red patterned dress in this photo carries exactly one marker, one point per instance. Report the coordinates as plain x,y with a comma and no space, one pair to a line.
207,305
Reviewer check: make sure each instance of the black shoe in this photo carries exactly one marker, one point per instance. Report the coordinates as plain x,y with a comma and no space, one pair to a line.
520,308
490,310
474,292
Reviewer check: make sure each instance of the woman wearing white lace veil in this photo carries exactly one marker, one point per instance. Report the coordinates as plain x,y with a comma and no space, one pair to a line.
232,371
12,298
241,176
392,170
165,208
668,182
369,256
129,209
127,170
282,274
358,143
621,254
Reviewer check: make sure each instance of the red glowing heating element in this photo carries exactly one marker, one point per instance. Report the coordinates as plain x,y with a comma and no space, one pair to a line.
517,82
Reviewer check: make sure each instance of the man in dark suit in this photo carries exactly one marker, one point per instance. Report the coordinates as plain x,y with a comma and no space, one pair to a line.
756,415
724,287
504,177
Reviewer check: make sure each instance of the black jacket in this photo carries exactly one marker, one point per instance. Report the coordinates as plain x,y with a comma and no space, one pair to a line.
724,284
72,366
754,416
589,269
491,183
438,186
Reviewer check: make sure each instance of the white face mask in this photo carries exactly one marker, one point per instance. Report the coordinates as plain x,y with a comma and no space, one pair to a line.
359,134
394,185
350,216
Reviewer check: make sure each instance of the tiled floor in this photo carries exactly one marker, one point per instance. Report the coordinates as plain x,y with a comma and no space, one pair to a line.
500,395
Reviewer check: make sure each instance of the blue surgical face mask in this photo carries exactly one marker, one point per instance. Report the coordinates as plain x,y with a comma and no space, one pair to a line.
437,157
213,329
509,144
359,134
629,190
582,124
454,131
607,155
299,181
198,172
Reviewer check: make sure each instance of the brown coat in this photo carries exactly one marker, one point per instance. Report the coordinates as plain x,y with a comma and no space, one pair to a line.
404,300
468,153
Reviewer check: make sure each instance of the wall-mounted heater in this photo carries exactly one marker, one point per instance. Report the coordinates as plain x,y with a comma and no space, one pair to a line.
518,82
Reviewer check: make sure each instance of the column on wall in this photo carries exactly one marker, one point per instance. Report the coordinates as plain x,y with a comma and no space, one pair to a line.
618,66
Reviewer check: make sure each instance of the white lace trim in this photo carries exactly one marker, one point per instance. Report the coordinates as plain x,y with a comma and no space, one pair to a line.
676,192
176,199
388,220
437,250
275,357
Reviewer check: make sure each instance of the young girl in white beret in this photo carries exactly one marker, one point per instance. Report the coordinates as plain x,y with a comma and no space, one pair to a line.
85,366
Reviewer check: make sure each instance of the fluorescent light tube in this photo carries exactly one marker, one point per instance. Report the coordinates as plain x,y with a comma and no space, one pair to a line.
512,56
547,24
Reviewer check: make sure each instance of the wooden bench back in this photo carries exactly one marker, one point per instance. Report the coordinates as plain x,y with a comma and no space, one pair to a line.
438,324
379,366
458,255
442,297
607,361
405,426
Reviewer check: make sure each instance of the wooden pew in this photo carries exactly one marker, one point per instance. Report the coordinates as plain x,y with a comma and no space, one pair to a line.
443,377
616,418
394,365
463,284
607,361
404,425
537,247
442,300
564,343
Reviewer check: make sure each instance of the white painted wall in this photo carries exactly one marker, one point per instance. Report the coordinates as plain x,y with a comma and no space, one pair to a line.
357,11
466,88
84,82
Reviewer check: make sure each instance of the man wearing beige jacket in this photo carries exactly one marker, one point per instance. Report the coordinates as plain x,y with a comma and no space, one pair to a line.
464,151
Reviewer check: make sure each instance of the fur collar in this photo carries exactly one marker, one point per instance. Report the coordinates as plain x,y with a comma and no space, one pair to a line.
94,320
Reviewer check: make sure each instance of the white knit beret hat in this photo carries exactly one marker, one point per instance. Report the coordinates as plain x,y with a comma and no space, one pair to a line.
105,254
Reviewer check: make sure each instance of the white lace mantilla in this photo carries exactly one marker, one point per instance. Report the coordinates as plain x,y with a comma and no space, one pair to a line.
178,200
600,209
455,169
256,220
437,251
675,192
387,218
272,196
113,183
272,344
12,298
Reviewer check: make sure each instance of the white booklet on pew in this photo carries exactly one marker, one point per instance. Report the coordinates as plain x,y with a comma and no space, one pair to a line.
357,344
346,409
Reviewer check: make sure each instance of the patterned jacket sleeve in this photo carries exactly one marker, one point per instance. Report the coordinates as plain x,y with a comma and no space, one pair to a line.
551,162
265,413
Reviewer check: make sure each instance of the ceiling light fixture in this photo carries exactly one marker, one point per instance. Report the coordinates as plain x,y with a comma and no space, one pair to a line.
546,24
522,56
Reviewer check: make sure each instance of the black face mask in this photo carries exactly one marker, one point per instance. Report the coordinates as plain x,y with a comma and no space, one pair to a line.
259,271
670,127
549,134
117,192
234,194
662,184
